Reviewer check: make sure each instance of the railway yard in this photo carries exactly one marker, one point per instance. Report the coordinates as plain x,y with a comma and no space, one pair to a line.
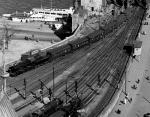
85,74
138,70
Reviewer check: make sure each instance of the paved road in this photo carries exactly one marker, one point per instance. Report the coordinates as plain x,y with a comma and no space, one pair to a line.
19,34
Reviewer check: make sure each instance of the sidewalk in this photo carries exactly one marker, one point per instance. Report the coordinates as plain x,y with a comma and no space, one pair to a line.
136,73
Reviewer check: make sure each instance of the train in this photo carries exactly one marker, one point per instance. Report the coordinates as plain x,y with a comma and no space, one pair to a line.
55,108
37,57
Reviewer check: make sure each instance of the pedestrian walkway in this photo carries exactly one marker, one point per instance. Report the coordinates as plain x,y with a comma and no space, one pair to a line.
138,86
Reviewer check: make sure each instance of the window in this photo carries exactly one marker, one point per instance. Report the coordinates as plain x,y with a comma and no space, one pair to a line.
53,13
65,14
47,13
59,14
92,8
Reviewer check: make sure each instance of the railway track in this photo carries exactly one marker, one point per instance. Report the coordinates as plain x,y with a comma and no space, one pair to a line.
29,76
92,71
83,81
91,79
111,91
59,61
109,95
87,71
93,47
123,63
71,58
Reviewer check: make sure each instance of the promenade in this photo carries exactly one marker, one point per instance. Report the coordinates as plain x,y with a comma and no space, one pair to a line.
138,82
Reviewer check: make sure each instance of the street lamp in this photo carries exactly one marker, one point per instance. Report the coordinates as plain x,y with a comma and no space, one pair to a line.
4,74
41,4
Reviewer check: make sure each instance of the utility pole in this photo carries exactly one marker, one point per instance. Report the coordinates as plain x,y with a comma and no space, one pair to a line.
41,4
76,88
99,80
25,88
99,22
49,89
4,69
41,91
126,94
4,74
66,91
53,82
94,91
19,92
24,94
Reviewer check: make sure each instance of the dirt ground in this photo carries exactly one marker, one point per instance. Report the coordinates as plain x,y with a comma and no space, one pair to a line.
17,47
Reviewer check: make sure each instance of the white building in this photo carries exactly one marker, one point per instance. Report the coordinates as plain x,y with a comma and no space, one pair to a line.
93,5
137,48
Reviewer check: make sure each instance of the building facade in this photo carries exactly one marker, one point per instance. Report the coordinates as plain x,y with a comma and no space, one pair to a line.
78,17
93,5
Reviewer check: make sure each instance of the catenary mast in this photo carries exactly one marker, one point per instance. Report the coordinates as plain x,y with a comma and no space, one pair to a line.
6,108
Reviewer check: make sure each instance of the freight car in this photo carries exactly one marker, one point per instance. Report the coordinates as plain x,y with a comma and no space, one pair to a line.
69,110
96,36
59,114
59,51
55,108
34,58
47,109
